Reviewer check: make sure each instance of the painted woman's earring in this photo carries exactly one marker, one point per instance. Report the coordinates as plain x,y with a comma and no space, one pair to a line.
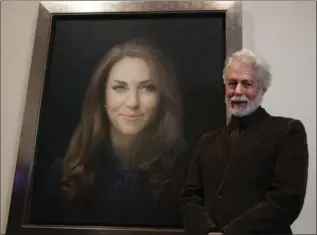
105,106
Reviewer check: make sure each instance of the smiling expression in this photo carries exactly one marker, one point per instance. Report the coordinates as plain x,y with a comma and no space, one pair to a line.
243,93
131,96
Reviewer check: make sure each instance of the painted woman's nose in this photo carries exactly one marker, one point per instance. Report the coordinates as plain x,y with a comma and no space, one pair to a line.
132,100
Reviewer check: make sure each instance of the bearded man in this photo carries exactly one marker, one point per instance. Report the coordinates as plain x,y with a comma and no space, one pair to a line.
249,177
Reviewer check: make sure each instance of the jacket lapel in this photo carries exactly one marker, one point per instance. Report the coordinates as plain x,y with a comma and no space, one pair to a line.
224,155
250,137
246,141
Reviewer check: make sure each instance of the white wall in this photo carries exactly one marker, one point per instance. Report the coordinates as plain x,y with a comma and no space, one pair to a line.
18,21
283,32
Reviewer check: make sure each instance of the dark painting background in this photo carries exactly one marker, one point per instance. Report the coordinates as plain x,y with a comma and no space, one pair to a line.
195,44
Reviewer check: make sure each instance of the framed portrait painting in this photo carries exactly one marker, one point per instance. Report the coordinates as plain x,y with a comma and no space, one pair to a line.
119,94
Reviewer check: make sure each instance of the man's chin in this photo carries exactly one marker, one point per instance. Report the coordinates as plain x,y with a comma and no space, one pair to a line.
238,113
241,111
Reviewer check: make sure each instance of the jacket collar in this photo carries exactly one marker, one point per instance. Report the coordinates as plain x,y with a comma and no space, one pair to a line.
247,121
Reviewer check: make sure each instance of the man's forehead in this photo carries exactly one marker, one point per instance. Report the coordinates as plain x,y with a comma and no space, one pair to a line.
240,70
241,75
237,78
241,66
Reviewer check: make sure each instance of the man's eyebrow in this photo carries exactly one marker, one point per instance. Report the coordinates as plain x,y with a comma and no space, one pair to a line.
248,80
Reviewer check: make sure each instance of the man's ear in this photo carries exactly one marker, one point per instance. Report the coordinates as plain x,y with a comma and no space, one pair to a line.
263,90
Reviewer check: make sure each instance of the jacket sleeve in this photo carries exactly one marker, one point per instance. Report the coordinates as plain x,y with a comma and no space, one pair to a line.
196,221
284,201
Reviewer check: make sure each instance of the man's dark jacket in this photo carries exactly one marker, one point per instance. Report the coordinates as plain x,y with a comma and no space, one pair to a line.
257,188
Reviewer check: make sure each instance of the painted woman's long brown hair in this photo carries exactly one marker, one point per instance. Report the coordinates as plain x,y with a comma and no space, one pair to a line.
80,168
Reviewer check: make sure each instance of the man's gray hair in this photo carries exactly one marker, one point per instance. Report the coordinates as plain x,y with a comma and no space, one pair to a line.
262,71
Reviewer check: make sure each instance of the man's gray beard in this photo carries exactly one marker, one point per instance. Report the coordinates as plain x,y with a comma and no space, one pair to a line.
252,105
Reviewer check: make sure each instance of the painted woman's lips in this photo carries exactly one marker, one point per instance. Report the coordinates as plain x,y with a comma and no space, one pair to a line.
131,117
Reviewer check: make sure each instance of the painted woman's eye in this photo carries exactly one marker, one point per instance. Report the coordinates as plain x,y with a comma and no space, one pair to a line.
150,87
119,88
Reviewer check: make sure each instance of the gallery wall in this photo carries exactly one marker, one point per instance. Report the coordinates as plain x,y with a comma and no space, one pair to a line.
283,32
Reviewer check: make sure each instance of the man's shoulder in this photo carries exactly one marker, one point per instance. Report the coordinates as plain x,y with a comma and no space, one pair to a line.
286,121
287,125
282,118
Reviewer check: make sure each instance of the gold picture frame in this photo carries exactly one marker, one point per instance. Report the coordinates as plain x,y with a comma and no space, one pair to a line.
229,12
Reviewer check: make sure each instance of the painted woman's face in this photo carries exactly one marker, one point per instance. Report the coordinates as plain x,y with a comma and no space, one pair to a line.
131,96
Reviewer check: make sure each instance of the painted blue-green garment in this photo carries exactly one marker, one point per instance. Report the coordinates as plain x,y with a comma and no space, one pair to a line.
119,198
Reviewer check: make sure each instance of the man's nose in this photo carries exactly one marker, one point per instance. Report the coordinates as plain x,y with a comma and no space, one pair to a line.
132,100
239,90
